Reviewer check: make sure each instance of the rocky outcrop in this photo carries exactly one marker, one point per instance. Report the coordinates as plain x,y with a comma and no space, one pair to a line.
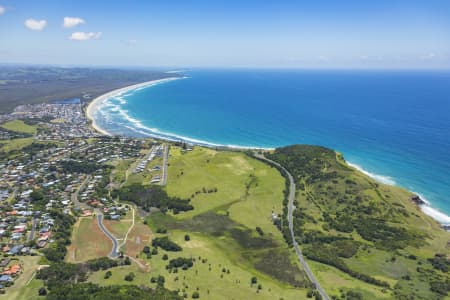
417,200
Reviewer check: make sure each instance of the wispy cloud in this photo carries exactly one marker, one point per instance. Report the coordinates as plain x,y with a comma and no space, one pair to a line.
130,42
428,56
84,36
35,24
2,10
70,22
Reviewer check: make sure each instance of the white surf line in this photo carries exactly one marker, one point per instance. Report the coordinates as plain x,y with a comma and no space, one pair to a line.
426,208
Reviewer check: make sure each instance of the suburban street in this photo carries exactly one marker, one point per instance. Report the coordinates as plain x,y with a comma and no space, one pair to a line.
74,196
291,208
165,161
33,229
114,251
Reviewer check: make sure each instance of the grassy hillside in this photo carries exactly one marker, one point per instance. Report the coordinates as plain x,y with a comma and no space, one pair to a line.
363,230
231,236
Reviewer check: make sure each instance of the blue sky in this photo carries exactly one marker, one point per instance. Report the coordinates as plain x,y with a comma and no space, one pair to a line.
178,33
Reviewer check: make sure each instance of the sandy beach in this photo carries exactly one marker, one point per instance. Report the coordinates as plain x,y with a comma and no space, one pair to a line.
94,104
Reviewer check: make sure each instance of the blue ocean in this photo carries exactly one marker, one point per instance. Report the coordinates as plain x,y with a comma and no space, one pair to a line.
395,125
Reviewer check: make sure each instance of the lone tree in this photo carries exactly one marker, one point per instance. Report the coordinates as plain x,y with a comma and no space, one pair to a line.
254,280
130,276
42,291
187,237
107,274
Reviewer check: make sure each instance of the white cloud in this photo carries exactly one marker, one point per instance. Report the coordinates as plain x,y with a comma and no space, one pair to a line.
70,22
323,58
2,10
428,56
84,36
35,24
131,42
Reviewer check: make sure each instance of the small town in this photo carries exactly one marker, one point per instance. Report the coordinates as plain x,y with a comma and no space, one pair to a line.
63,168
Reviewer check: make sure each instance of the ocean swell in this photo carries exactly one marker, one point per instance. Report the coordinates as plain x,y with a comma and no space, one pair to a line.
111,114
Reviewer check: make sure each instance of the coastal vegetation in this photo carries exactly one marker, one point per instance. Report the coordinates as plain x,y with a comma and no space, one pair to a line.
225,239
350,222
218,230
151,196
68,281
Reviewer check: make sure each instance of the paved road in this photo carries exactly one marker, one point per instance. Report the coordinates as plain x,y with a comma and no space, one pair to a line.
114,252
74,196
291,208
165,161
33,229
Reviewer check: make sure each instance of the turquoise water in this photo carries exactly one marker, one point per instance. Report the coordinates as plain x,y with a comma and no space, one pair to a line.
394,124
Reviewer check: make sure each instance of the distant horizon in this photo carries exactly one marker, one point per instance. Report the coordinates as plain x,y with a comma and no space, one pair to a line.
188,68
324,34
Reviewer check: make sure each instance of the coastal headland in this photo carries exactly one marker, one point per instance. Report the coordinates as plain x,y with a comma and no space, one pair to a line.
95,104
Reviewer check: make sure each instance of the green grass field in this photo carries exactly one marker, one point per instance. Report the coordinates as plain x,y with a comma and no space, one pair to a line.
15,144
19,126
88,242
232,194
206,277
335,281
25,288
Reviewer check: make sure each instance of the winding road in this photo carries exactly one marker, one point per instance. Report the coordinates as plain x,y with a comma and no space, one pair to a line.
291,208
114,252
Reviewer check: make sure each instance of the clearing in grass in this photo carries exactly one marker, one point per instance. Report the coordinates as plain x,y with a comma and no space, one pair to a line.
88,241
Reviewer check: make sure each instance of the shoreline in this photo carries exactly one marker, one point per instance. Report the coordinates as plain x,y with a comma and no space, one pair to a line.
426,208
93,105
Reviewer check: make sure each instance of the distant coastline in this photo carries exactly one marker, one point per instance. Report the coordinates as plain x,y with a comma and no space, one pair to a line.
94,104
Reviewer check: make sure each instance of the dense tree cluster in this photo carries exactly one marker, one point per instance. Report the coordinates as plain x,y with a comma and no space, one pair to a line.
89,291
72,166
440,287
151,196
102,263
166,244
62,229
440,262
62,273
384,235
180,262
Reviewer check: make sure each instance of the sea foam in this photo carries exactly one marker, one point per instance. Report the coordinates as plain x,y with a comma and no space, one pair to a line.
381,178
426,208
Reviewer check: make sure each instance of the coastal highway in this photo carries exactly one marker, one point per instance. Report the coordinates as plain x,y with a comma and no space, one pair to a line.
291,208
114,252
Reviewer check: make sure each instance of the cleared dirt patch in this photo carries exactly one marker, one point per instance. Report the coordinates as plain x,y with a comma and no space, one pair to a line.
88,241
138,237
